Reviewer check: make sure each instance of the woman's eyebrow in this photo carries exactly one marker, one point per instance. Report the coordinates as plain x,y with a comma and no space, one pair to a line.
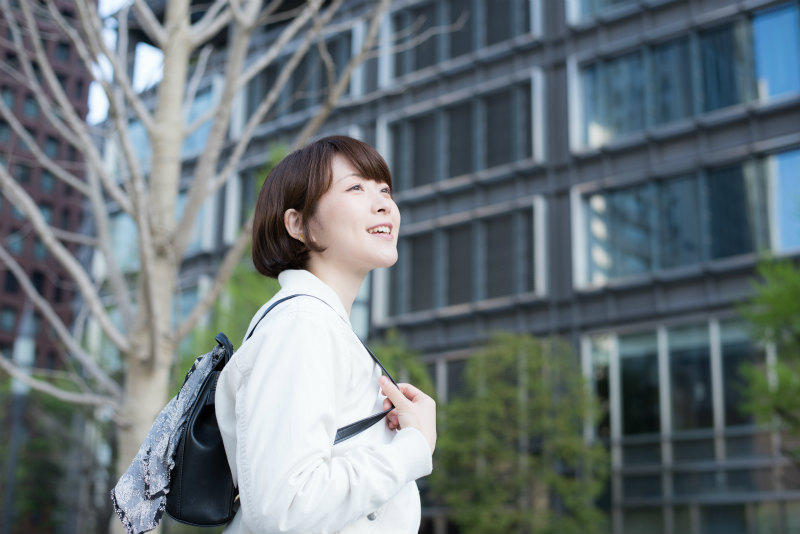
348,175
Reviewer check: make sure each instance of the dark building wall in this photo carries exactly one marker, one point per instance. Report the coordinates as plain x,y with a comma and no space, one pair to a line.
59,203
607,171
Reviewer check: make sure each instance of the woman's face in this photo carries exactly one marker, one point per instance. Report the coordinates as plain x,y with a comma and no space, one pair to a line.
356,221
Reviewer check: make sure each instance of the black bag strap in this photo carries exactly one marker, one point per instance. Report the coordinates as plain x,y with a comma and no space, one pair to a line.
347,431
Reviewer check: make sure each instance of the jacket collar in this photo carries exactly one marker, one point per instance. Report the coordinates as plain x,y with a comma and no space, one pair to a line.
302,281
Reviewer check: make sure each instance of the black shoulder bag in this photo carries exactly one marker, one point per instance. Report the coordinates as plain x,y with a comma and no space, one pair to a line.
201,490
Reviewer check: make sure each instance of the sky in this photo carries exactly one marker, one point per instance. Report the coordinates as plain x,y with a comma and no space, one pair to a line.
147,67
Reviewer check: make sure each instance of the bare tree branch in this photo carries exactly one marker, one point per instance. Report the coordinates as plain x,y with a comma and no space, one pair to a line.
212,22
72,237
115,277
93,28
46,309
226,268
238,13
273,51
77,135
194,83
154,30
25,204
40,156
266,104
209,159
344,80
55,391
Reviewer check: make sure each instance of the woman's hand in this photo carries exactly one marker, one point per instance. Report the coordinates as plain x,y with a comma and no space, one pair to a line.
413,409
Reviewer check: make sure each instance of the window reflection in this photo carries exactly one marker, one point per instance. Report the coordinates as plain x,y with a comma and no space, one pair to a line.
721,61
672,80
783,171
738,352
638,356
777,30
690,375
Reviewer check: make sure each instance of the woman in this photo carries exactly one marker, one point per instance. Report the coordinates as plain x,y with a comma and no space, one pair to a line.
324,219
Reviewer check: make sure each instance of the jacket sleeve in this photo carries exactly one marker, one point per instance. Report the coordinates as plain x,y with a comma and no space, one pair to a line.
289,481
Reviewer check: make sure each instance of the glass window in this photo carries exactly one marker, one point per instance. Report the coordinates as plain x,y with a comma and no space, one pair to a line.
422,287
672,81
721,61
456,379
460,151
499,256
638,486
738,352
47,212
15,243
140,141
124,233
424,158
783,175
499,128
689,450
8,319
8,97
39,250
736,212
619,232
775,30
642,454
30,107
792,509
601,354
47,182
23,174
638,355
524,260
11,283
723,519
62,51
412,24
690,377
679,219
51,147
5,132
38,280
694,483
767,516
460,270
643,520
462,40
613,96
499,23
196,141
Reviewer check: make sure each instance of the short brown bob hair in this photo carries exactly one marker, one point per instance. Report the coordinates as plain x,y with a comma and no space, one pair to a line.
298,182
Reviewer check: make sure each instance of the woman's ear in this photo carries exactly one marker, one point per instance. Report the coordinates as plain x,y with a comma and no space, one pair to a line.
294,224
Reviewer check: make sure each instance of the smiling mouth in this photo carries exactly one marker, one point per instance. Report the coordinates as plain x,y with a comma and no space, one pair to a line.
383,229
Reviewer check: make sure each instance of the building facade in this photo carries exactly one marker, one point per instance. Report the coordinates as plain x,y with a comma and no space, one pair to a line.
608,171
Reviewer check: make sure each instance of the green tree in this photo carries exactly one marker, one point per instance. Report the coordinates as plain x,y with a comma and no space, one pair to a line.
511,455
403,363
774,313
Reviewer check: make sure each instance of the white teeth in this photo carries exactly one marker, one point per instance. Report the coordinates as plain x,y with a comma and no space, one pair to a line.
379,230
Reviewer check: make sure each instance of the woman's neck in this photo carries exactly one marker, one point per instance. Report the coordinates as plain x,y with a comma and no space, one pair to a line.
344,283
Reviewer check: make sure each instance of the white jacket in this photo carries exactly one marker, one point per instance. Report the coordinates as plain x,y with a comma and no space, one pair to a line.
279,401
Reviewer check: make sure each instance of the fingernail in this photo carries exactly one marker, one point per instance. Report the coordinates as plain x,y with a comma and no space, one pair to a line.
383,380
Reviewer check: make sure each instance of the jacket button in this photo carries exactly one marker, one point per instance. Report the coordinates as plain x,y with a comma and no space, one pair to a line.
372,516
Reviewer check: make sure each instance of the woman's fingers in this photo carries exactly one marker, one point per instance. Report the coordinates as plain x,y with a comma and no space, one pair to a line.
413,408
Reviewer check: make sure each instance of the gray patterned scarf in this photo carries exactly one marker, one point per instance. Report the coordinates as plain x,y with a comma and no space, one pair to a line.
140,495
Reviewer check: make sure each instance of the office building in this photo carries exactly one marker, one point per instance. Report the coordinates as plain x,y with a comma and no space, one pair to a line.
606,171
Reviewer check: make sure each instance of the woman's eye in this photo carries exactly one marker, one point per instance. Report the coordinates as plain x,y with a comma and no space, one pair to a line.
356,187
386,191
